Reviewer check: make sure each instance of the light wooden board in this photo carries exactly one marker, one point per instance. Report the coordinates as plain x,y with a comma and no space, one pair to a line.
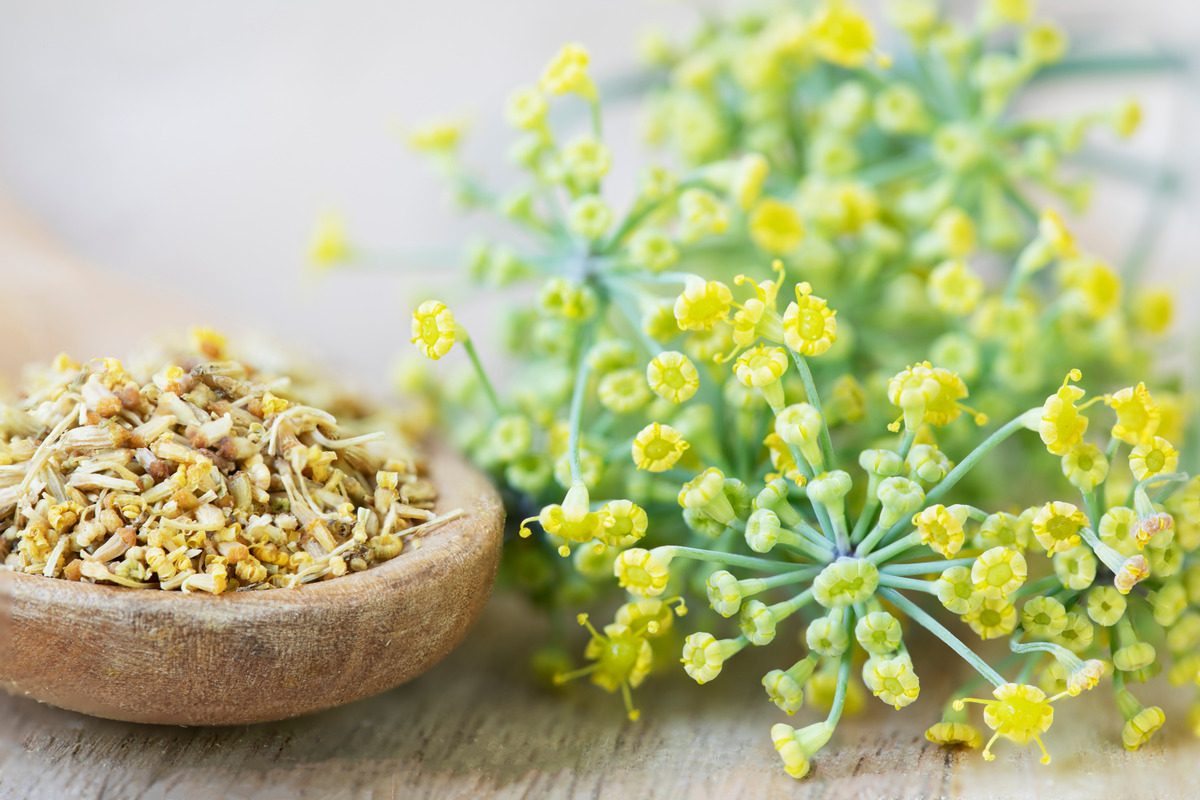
478,726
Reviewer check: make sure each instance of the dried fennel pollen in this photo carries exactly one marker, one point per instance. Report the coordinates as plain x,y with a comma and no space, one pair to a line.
198,478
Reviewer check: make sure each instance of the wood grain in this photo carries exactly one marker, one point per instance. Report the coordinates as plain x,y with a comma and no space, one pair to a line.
478,726
194,659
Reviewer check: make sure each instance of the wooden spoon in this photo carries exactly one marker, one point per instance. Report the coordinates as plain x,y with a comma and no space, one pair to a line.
192,659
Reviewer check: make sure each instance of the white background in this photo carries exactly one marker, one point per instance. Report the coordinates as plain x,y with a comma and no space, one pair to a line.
192,144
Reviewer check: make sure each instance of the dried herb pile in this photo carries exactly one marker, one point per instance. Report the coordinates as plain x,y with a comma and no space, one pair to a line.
196,477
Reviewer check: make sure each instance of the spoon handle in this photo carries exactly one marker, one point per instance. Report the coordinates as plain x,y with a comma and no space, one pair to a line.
53,301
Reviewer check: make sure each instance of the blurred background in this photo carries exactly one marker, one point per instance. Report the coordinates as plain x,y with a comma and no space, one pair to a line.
190,147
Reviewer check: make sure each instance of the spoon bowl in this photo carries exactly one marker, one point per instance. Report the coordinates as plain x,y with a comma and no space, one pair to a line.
196,659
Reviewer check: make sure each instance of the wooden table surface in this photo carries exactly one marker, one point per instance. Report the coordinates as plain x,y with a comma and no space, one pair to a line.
477,725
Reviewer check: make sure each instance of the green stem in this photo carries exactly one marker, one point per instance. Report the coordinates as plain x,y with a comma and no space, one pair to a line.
729,559
924,567
1122,64
483,378
597,118
1037,587
918,615
839,696
582,371
973,458
820,554
864,519
814,400
911,584
956,474
872,539
813,535
892,550
788,577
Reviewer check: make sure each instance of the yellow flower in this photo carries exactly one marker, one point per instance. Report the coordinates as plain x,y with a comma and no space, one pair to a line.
433,329
702,304
586,160
704,655
747,184
892,680
757,318
1056,526
643,572
1062,426
658,447
1138,416
955,230
786,688
1096,287
701,214
796,747
1153,457
841,35
956,591
993,618
1139,728
1085,677
1116,529
942,528
1020,713
653,250
1133,571
1014,11
954,288
1043,43
944,407
527,109
782,460
437,136
1148,527
1105,605
1053,231
915,17
1154,310
845,582
623,659
1043,617
878,632
621,523
659,323
329,245
590,217
706,492
998,572
1075,568
708,345
809,325
672,376
573,520
1127,118
623,391
761,367
949,734
928,394
1085,466
775,227
567,73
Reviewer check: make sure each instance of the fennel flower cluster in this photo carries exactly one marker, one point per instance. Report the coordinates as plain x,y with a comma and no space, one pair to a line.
780,379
